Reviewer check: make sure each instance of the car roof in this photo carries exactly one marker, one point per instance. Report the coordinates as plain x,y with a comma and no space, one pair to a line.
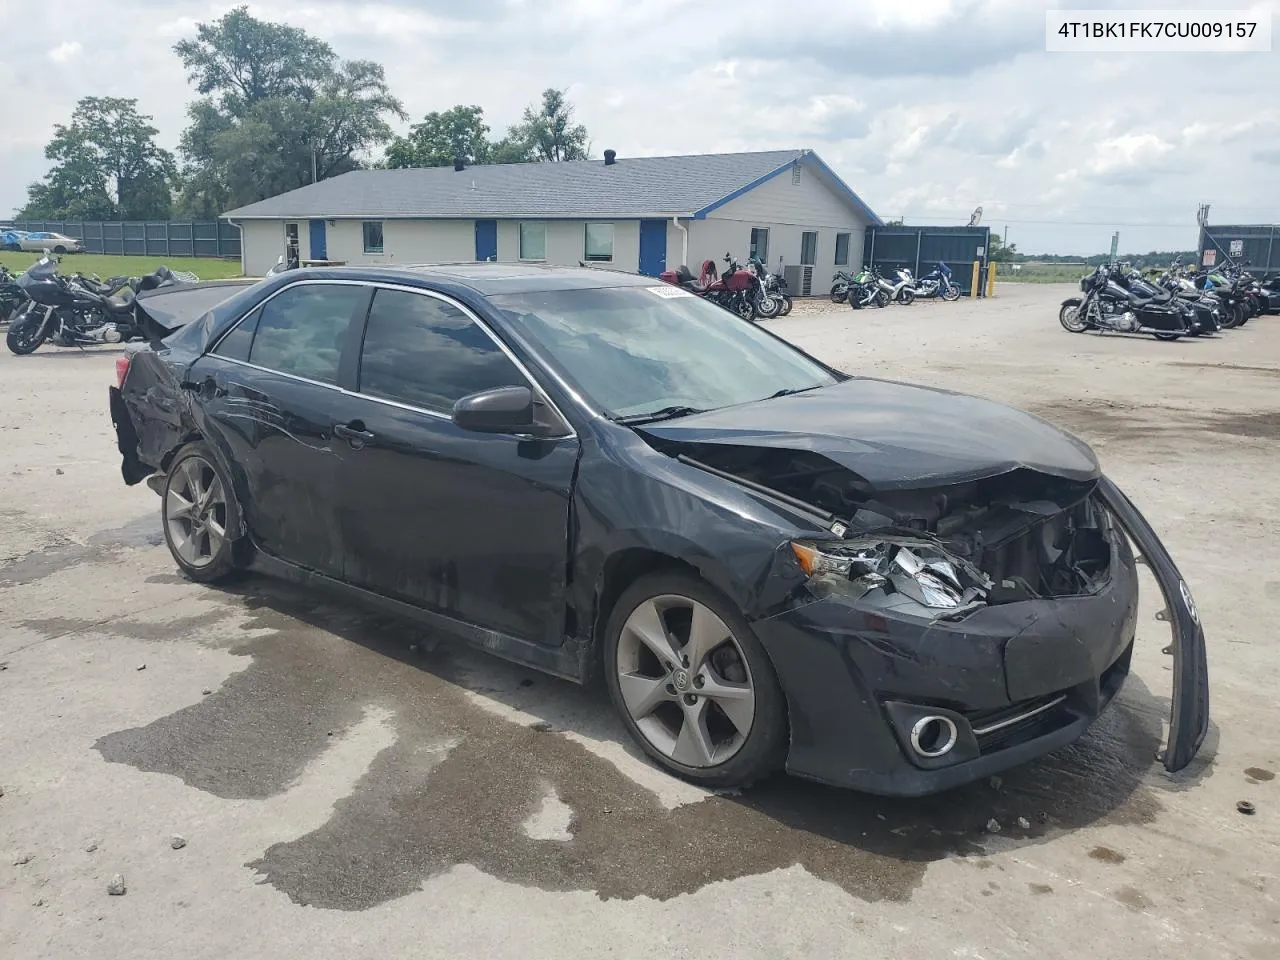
487,278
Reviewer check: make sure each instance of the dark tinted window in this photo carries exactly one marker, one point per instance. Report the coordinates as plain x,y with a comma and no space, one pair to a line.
235,345
809,247
842,249
301,329
427,353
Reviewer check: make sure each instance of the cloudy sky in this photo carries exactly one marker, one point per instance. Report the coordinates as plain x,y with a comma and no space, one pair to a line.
928,108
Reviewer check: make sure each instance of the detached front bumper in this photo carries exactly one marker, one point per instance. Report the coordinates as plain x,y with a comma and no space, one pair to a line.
1016,681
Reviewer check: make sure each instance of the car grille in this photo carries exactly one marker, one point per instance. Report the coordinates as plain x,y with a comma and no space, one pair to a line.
1001,727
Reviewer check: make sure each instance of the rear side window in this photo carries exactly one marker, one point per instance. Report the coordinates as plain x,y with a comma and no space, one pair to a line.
301,329
427,353
235,345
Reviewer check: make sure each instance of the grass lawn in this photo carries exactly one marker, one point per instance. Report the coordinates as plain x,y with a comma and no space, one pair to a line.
105,265
1043,273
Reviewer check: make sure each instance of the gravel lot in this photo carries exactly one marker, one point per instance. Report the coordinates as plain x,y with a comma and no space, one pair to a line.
345,789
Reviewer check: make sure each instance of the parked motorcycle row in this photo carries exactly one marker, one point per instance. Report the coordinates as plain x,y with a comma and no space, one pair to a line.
1180,302
752,292
43,306
870,288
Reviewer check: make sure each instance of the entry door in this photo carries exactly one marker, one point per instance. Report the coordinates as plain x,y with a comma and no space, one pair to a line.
653,247
470,525
319,246
486,240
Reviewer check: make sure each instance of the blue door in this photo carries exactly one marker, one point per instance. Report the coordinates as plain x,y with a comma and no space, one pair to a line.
486,240
319,248
653,247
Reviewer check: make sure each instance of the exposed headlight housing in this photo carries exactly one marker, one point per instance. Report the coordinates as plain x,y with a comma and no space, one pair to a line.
917,568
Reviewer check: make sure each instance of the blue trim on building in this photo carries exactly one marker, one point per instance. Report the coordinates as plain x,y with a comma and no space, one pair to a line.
841,187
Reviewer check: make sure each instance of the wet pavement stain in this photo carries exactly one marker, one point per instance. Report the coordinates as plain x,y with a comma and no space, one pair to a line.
1040,888
1107,855
177,629
142,532
459,783
1258,774
1263,425
1133,899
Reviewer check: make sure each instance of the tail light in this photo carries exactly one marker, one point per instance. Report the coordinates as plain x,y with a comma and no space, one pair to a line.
122,369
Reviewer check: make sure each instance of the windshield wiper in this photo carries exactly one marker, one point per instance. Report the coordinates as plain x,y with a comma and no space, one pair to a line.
666,413
788,391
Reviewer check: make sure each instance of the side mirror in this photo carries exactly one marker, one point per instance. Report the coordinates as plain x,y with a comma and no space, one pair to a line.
512,410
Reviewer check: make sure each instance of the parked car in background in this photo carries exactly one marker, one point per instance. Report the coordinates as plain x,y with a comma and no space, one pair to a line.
12,239
55,242
773,563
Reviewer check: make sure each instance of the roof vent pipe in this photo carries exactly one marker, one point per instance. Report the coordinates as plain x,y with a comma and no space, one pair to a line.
458,164
610,157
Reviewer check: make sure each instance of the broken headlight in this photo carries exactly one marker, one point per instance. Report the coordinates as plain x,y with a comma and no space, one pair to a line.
916,568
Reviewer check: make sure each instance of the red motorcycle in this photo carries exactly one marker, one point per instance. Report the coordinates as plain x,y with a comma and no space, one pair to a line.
737,289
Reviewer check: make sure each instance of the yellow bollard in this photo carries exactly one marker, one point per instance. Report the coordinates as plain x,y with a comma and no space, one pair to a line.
991,279
977,274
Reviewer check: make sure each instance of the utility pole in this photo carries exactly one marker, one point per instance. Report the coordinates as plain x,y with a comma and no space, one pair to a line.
313,161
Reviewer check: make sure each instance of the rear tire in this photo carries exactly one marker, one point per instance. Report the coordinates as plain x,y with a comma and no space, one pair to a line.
787,304
200,515
649,633
1167,337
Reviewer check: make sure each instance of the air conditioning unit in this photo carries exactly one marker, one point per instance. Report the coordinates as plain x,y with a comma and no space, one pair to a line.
799,279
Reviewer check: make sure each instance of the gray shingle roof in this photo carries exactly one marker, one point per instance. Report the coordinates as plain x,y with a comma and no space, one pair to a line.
633,186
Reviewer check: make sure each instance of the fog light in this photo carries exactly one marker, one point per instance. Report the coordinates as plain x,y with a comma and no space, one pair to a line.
933,736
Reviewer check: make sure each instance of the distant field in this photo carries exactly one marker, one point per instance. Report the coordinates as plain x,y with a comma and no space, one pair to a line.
105,265
1042,273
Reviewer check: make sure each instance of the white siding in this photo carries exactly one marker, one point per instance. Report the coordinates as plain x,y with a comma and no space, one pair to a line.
787,210
442,241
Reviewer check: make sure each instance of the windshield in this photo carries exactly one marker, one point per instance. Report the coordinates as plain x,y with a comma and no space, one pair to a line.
639,350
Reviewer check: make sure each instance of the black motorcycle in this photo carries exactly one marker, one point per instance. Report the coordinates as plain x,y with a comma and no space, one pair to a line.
70,313
1107,305
1200,314
12,299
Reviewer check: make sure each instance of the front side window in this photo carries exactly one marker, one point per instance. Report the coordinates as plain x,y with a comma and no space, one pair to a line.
760,244
809,247
302,328
842,249
599,242
427,353
533,241
634,350
373,236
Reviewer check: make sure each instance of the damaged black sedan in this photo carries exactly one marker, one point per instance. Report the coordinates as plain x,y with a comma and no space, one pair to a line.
772,563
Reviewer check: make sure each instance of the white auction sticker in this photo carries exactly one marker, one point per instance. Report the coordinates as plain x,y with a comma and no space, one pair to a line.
1158,31
667,291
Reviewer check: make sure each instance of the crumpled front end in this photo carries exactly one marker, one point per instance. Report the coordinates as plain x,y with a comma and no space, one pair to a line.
937,634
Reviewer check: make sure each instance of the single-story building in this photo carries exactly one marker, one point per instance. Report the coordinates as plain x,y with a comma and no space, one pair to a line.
641,214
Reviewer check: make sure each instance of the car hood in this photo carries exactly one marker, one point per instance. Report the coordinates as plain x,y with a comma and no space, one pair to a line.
893,435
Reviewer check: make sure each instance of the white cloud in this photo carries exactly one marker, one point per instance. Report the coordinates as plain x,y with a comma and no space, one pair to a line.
928,108
65,51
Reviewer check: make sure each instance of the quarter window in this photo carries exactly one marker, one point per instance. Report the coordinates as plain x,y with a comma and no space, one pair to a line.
235,345
760,244
373,236
533,241
809,247
427,353
301,329
842,249
598,245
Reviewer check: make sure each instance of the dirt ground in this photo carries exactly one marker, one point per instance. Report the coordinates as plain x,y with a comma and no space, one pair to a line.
345,788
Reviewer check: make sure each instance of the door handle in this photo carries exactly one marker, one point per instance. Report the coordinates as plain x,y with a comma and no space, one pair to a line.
354,433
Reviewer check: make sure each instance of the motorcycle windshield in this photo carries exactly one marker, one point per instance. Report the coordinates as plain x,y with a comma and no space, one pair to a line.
42,271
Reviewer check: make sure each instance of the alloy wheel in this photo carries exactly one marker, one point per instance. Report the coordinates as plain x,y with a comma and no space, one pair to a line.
685,681
195,510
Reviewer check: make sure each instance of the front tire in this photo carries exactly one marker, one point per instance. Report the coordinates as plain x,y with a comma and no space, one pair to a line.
692,683
839,292
787,304
1167,337
1070,317
23,336
745,309
200,514
951,293
906,297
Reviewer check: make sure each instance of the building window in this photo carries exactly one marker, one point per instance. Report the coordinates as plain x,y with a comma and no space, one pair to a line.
809,247
598,243
373,236
760,244
533,241
842,249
